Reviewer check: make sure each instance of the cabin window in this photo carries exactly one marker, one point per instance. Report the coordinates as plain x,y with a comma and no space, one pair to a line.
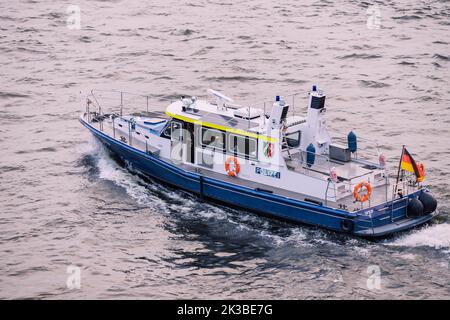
177,131
243,146
236,144
293,139
167,131
252,148
212,138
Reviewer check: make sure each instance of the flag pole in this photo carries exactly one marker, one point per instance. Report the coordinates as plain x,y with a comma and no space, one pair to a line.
399,166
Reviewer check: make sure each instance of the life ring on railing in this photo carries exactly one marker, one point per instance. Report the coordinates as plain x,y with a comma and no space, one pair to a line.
358,188
232,170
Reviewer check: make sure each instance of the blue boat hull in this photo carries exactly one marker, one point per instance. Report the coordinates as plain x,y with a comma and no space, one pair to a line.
360,224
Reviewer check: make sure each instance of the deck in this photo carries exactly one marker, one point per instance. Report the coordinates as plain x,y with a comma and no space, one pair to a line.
351,172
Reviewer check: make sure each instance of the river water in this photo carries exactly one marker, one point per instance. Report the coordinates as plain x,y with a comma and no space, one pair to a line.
66,204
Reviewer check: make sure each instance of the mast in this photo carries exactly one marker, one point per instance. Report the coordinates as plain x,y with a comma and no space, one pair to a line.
399,167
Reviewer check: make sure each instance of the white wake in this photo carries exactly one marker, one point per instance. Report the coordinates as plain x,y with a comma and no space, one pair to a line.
436,236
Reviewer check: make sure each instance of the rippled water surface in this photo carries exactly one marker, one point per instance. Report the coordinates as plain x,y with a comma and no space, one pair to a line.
64,201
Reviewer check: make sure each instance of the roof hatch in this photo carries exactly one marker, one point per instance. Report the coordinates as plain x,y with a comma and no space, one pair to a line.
248,113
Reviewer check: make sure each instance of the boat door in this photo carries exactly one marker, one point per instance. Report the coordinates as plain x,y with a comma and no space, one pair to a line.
182,137
189,142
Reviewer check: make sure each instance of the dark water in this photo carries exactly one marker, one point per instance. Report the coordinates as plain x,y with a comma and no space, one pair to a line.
64,201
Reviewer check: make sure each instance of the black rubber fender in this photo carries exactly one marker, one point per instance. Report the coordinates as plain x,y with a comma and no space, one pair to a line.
415,208
347,225
428,201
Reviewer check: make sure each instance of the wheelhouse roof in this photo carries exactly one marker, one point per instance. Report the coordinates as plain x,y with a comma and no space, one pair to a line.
208,115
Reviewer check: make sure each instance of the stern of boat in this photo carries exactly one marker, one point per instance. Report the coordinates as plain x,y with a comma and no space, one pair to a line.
395,216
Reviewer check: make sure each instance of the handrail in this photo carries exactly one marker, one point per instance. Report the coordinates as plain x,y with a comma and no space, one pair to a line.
368,150
132,94
268,100
123,98
123,95
289,99
344,136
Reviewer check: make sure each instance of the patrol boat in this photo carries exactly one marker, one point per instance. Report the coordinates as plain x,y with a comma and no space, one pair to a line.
277,162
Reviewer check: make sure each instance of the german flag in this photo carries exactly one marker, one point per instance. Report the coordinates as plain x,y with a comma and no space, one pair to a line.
409,164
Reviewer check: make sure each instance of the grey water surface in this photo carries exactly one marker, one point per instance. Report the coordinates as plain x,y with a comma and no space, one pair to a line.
65,202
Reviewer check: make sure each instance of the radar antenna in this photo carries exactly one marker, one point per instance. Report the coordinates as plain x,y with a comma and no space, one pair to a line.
221,99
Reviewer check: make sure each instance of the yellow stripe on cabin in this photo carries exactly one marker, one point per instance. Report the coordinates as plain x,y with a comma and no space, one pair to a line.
219,127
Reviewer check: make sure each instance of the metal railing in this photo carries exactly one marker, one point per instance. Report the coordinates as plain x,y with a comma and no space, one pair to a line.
368,149
298,102
293,100
323,165
116,100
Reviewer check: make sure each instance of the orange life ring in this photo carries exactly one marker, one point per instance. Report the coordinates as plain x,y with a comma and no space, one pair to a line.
233,172
358,188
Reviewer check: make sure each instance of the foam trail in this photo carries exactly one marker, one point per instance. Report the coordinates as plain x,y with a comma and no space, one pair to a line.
437,236
146,194
109,170
149,195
